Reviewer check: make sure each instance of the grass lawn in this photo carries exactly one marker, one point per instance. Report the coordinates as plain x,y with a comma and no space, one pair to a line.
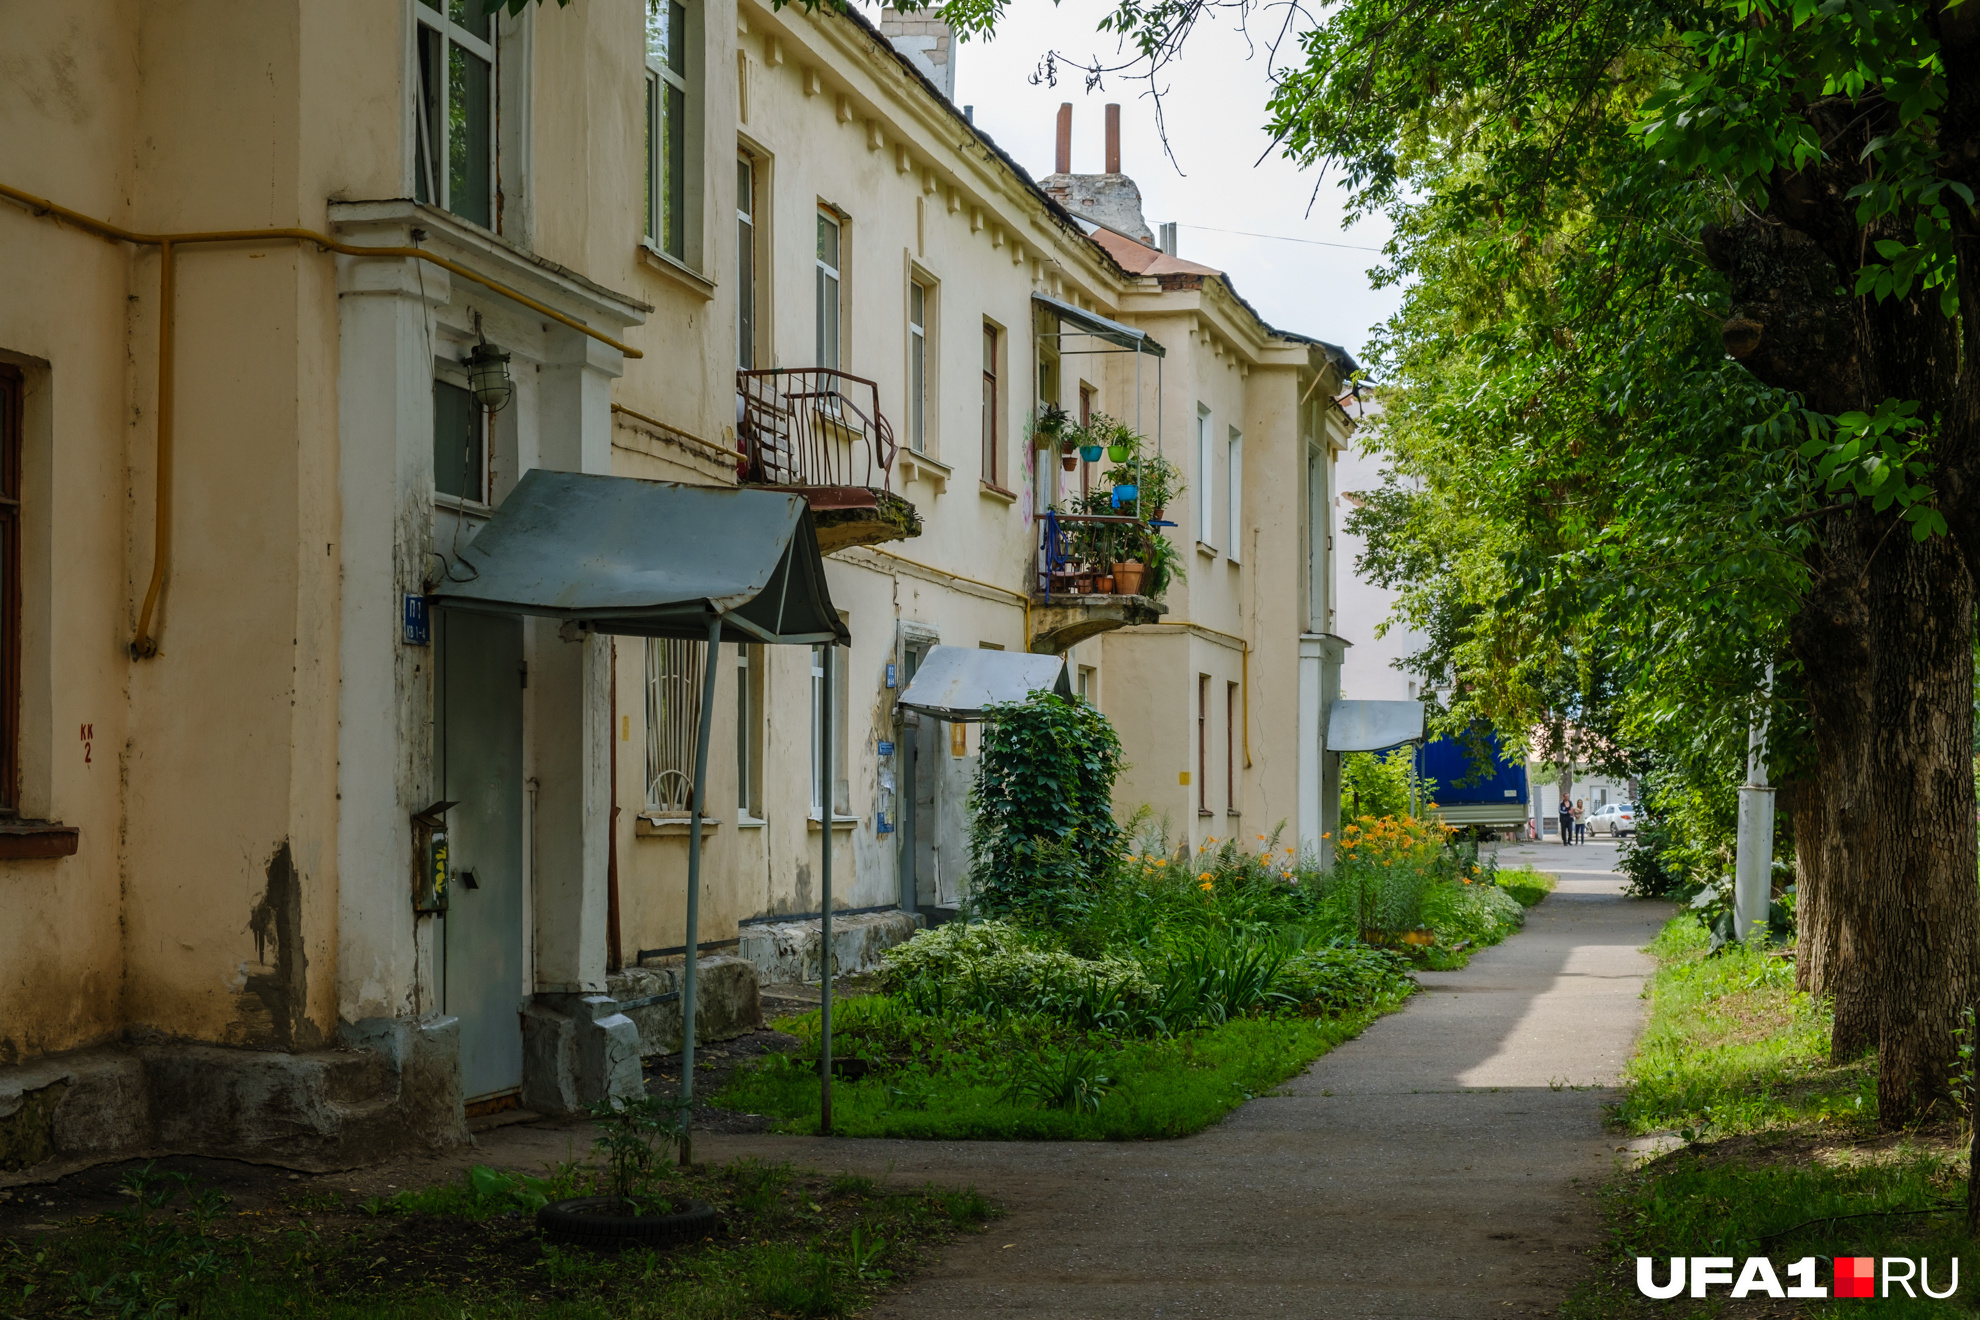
787,1243
1735,1063
1527,885
1165,1087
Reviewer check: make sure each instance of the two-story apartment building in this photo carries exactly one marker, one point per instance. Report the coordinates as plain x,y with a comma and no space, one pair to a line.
277,347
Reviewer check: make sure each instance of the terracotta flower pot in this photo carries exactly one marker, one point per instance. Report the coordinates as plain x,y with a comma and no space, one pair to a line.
1127,576
1070,462
1105,586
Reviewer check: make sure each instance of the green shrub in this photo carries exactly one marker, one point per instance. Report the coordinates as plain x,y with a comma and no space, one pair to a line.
1344,975
1042,829
994,969
1480,913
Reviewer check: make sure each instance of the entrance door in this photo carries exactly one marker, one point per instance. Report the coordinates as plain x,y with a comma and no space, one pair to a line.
479,708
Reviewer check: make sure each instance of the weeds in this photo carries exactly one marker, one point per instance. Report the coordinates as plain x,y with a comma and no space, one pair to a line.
1070,1079
797,1244
1780,1155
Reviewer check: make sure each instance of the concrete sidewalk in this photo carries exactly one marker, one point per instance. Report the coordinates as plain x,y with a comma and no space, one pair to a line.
1441,1166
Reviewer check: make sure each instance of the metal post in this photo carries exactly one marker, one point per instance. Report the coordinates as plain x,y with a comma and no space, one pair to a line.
1753,865
905,759
825,885
698,801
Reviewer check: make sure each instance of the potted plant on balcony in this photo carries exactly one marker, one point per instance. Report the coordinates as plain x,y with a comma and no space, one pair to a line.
1164,565
1157,479
1052,422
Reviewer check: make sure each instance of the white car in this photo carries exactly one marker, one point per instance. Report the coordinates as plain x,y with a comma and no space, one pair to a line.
1617,819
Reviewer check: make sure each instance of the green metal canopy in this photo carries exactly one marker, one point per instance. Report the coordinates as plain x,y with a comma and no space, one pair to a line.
649,559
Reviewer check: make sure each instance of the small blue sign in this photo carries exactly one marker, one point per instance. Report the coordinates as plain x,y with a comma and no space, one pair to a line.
890,675
415,631
881,824
886,748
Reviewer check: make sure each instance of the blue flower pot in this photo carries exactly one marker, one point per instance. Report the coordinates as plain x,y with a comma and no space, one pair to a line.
1125,495
1091,453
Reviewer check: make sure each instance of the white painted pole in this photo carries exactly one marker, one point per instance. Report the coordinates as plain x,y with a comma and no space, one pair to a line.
1753,866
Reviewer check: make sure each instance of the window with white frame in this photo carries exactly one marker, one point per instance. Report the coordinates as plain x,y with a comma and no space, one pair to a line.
668,68
831,236
673,723
1206,504
749,732
919,296
1234,487
746,202
454,113
841,781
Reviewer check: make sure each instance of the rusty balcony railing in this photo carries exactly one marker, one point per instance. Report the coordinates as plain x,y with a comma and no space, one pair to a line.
1076,550
811,426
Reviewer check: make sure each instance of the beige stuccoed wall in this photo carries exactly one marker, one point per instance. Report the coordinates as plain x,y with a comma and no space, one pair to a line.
216,766
225,743
67,303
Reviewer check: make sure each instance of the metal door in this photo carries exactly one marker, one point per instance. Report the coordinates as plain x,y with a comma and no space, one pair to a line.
479,743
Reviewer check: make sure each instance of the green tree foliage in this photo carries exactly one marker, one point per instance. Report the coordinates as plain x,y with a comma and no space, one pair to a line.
1378,784
1042,829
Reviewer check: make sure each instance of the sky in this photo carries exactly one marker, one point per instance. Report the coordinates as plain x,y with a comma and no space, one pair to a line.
1214,106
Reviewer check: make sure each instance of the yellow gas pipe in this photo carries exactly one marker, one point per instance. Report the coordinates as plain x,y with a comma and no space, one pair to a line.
144,645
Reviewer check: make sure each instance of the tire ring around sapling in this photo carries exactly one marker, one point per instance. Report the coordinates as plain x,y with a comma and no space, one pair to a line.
586,1221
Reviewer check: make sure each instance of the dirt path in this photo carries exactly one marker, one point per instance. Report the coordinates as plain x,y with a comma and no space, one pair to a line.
1442,1166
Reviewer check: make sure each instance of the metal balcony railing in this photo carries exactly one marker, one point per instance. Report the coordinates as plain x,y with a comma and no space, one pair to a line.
811,426
1075,550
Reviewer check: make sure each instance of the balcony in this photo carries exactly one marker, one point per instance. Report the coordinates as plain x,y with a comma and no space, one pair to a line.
819,433
1076,594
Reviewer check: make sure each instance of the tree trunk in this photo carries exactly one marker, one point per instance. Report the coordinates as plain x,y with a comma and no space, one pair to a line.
1831,638
1814,932
1923,908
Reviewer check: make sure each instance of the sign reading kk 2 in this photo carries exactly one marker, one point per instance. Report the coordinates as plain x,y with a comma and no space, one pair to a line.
1853,1276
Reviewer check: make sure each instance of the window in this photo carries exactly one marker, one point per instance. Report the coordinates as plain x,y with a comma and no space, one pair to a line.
673,719
1203,744
841,781
917,366
460,448
1233,722
749,732
454,138
745,263
1088,686
993,464
12,395
830,240
1234,485
1206,524
666,127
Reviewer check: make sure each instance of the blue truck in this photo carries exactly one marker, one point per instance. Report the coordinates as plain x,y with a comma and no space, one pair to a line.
1478,798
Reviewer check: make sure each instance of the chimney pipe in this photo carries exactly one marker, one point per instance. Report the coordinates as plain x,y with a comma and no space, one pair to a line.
1062,162
1113,138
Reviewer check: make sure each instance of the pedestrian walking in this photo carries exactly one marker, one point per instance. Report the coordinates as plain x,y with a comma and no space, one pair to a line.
1567,822
1580,820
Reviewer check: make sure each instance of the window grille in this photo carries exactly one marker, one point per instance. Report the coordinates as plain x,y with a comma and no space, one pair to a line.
673,718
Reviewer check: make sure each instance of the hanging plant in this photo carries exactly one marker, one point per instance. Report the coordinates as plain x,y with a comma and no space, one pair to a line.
1051,423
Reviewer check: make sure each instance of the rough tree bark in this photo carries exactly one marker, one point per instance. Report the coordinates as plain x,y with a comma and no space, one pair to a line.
1888,633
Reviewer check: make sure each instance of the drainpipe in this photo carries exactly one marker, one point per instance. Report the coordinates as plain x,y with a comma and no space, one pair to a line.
145,644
